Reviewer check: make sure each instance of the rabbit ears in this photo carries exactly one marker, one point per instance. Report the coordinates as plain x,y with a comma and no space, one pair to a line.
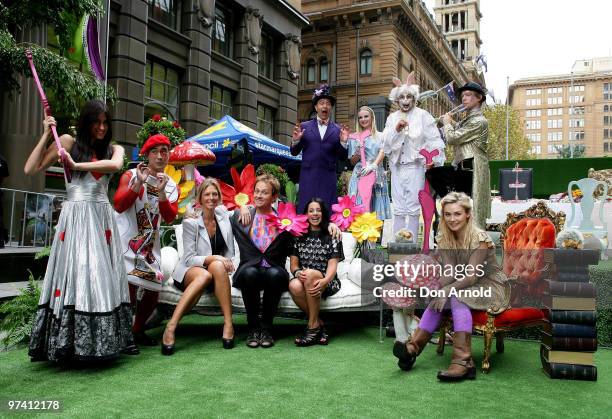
410,80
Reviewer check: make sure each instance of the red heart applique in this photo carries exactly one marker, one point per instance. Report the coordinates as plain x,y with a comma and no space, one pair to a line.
108,236
96,175
62,235
57,293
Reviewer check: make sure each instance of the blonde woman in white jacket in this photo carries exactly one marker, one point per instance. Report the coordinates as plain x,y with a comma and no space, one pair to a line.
208,246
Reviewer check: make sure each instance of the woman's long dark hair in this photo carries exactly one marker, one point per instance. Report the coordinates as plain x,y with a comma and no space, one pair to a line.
324,214
84,148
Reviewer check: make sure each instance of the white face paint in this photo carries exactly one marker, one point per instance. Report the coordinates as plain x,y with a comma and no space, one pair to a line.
405,101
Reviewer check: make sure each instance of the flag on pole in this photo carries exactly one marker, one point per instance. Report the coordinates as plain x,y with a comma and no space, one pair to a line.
481,61
450,92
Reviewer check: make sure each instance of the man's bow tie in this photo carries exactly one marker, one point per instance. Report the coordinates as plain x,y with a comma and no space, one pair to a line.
322,122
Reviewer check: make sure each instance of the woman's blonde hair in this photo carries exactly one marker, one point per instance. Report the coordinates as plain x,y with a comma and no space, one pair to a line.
447,239
208,181
358,127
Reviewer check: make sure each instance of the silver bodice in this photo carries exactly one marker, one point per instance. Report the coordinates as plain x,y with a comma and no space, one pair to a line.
87,188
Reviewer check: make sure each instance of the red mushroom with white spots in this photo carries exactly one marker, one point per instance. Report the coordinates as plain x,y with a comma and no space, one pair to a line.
188,155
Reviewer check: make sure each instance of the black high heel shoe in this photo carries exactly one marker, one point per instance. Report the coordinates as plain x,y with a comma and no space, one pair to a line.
228,343
309,338
167,349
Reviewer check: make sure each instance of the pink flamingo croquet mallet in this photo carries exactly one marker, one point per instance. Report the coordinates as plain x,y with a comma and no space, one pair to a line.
428,204
47,108
365,183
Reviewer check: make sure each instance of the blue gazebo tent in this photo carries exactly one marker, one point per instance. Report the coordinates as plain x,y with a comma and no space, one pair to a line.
228,135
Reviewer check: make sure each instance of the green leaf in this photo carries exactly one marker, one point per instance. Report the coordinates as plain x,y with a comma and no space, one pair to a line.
61,80
20,313
291,192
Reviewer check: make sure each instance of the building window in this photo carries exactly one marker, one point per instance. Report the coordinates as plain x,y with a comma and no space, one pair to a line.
607,147
323,69
164,11
534,102
161,91
311,68
459,48
222,33
554,112
552,148
576,99
266,60
576,135
555,136
606,133
578,110
533,92
555,100
554,90
533,125
365,62
576,123
606,108
533,113
536,149
607,120
607,91
555,123
265,120
577,89
535,138
220,102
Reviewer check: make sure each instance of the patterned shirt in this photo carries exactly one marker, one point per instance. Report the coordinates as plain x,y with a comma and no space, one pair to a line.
262,234
314,249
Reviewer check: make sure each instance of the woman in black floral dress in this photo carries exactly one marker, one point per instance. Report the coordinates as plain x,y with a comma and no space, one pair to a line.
314,261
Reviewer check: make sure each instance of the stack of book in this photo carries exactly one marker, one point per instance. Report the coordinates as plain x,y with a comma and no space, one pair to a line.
569,338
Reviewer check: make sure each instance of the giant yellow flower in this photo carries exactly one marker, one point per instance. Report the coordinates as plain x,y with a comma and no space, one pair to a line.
366,227
186,187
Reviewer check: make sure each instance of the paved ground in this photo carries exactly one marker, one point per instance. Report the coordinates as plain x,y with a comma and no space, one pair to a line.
11,289
20,250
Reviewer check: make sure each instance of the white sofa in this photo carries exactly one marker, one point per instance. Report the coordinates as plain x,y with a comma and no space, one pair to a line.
350,297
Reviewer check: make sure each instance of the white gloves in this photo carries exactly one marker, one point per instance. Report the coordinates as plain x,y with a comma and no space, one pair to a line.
368,169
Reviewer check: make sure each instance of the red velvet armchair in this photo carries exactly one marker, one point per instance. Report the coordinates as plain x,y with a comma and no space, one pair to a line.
522,237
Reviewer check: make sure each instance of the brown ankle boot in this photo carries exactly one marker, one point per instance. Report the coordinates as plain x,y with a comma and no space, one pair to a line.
407,352
462,366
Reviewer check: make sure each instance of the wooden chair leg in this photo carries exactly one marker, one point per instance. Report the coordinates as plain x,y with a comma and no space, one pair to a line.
499,342
488,340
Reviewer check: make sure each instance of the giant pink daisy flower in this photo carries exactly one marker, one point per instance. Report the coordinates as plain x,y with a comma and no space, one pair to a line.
345,211
286,219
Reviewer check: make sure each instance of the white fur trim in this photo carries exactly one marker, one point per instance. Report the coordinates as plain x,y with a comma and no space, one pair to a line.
413,90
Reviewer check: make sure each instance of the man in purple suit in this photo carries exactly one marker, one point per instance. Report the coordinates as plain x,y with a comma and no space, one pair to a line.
322,143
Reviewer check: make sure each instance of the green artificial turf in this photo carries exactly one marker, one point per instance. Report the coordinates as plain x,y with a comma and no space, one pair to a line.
355,376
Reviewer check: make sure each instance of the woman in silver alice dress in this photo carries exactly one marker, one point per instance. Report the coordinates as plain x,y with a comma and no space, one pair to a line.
84,310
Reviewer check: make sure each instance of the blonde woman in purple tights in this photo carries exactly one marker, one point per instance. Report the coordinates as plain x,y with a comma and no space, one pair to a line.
460,244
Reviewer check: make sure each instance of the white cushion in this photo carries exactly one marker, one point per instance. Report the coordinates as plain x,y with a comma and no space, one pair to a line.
169,260
348,246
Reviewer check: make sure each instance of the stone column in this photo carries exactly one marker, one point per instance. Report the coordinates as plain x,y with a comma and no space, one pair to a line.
289,68
194,111
381,106
126,70
21,123
247,54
